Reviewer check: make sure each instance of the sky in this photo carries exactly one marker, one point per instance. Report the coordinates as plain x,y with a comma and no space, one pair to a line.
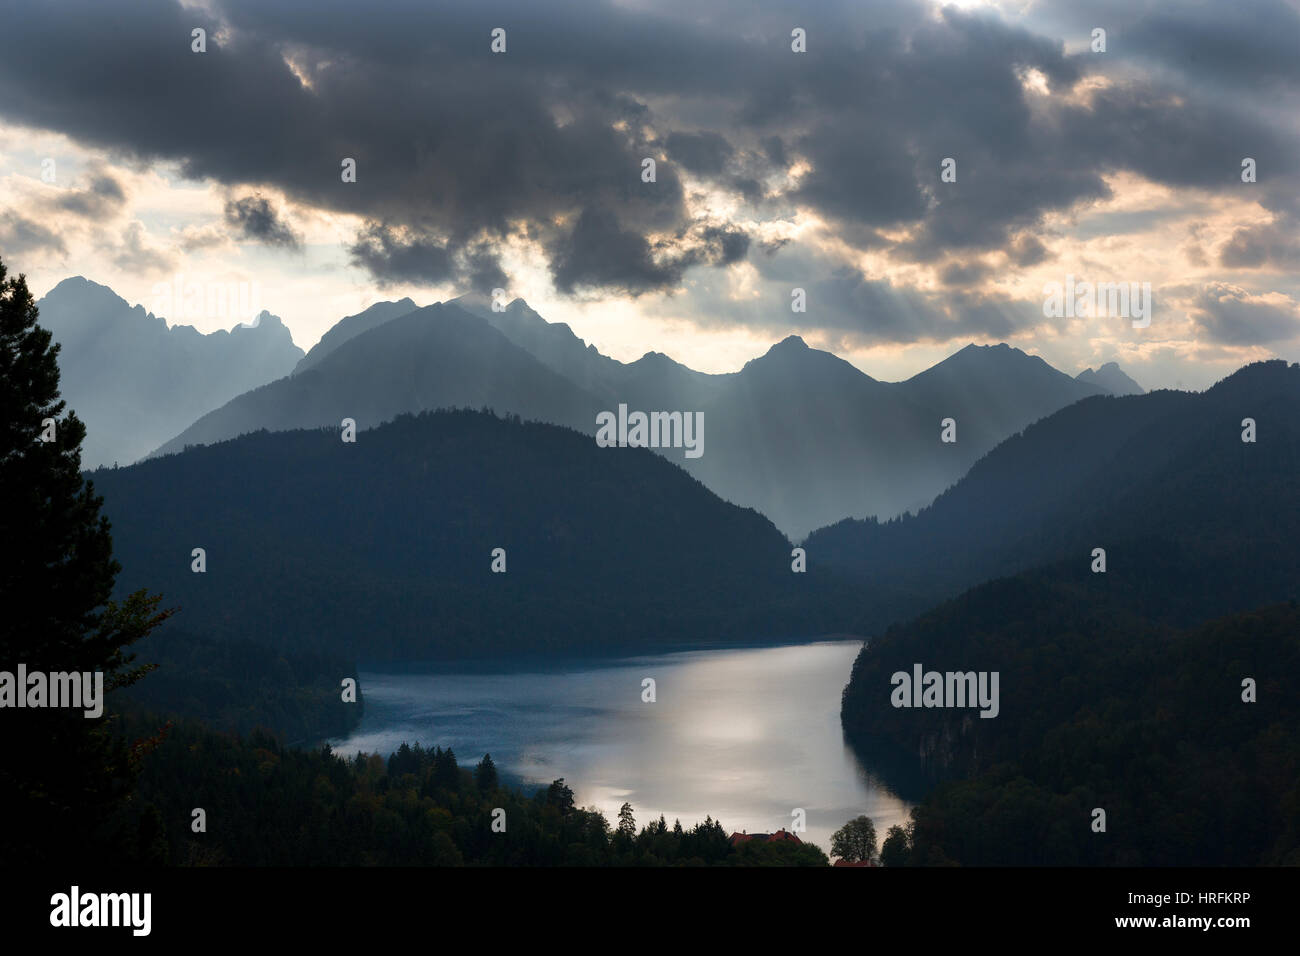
131,158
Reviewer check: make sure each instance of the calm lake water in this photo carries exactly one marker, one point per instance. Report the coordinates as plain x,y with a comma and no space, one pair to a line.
745,735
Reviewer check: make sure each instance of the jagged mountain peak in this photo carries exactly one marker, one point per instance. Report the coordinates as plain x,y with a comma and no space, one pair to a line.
1111,378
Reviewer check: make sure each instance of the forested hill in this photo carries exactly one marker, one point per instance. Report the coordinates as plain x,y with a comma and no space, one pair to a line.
1101,705
1116,690
382,549
1102,471
1050,633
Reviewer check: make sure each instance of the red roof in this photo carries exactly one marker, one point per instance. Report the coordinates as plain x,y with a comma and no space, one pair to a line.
781,834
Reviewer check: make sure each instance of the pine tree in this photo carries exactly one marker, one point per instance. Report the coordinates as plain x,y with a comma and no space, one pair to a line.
62,774
485,775
560,796
445,771
626,822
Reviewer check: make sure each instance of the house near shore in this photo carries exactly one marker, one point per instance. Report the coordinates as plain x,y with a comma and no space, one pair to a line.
781,835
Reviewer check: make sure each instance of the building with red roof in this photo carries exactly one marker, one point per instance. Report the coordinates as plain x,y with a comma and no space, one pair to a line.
779,835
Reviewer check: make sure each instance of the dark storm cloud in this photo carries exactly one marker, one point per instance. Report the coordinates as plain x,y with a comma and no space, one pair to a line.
481,268
255,218
700,152
723,246
458,148
392,259
1250,48
409,256
598,253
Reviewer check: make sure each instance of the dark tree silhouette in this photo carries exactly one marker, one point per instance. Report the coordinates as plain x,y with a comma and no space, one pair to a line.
560,796
626,822
897,848
855,841
62,772
485,775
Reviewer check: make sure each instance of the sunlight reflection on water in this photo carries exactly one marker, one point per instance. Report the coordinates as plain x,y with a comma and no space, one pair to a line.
745,735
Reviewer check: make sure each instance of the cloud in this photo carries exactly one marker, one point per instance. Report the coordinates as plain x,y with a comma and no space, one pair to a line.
481,269
462,153
1027,250
600,253
19,234
136,254
195,238
1250,55
706,153
392,258
102,198
964,273
1258,247
253,217
877,311
1232,316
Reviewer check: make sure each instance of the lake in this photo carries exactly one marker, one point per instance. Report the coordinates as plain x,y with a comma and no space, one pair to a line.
746,735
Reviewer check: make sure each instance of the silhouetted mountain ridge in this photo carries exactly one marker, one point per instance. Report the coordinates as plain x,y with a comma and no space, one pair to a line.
436,357
382,549
798,433
135,381
1112,379
351,326
1100,471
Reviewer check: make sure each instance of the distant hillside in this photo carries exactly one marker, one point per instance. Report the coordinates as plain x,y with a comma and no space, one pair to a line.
349,327
993,391
436,357
807,438
382,549
135,382
799,434
239,687
1115,692
1108,699
1102,471
652,382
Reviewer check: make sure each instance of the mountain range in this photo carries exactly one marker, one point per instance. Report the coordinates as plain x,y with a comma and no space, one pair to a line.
1095,472
135,381
390,537
439,356
798,433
